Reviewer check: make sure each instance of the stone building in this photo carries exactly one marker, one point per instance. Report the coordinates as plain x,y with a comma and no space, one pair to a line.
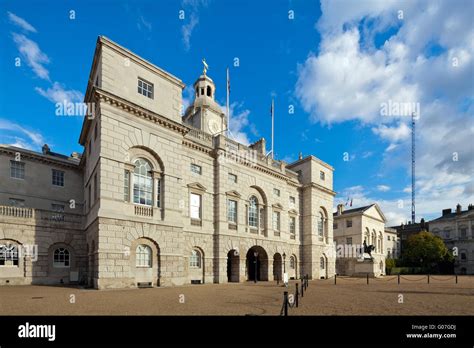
353,227
392,243
457,231
157,198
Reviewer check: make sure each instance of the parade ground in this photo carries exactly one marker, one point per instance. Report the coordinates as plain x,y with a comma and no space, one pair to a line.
349,296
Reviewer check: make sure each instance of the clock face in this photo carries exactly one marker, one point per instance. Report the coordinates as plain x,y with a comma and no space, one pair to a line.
213,126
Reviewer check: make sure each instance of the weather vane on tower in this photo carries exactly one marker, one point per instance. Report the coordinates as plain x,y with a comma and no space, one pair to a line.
206,67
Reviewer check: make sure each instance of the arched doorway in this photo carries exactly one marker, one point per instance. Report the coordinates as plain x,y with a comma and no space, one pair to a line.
323,267
257,264
293,267
277,267
233,261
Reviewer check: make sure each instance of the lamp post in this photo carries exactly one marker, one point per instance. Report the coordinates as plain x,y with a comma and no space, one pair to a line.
284,263
255,275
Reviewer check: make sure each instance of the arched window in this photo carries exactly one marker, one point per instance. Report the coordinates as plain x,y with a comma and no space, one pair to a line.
142,183
8,254
209,91
253,212
374,239
195,259
322,263
143,256
61,258
321,226
292,262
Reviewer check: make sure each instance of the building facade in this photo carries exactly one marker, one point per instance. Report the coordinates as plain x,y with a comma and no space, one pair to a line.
392,243
456,230
354,227
159,198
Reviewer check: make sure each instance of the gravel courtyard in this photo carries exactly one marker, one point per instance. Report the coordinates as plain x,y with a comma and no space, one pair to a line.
351,296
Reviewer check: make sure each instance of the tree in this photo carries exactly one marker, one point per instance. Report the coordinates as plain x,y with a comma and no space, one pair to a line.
426,249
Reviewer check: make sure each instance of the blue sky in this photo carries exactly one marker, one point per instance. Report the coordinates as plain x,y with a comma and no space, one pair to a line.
334,62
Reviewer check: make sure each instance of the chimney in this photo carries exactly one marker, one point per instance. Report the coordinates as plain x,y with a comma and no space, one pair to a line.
45,149
340,209
470,207
458,209
446,211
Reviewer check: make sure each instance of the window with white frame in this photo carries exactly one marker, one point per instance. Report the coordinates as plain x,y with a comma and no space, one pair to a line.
57,177
253,212
322,263
9,254
276,220
276,192
143,256
142,183
292,262
61,258
232,211
126,185
292,226
195,206
196,169
195,259
321,226
16,202
292,202
158,193
145,88
232,178
17,170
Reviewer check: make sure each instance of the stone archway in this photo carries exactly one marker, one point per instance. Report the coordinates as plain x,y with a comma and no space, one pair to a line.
257,264
233,266
277,267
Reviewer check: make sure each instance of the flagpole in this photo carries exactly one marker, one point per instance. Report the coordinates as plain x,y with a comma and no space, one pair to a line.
227,105
273,124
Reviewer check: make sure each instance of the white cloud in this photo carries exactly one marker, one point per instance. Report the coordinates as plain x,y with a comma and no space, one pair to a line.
22,137
239,120
20,22
394,134
188,97
383,188
142,22
192,12
33,55
187,31
57,94
348,78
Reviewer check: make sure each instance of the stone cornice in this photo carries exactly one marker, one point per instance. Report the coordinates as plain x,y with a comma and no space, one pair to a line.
40,158
322,188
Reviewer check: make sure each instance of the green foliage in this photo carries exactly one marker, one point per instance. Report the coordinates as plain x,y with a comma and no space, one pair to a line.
425,249
390,263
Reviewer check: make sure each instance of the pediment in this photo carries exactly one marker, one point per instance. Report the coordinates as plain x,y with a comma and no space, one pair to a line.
277,206
197,186
293,211
233,193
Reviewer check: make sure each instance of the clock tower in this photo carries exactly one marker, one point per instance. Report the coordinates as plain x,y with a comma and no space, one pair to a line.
204,113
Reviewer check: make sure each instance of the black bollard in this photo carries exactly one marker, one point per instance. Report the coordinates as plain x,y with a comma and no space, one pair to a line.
302,289
278,279
296,295
285,299
456,278
399,278
428,278
367,278
335,279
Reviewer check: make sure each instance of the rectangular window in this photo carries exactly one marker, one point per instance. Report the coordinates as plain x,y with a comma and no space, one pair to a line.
292,202
388,237
95,187
158,193
126,185
292,226
145,88
276,192
349,240
196,169
322,175
195,206
233,178
348,223
334,225
58,177
463,233
232,211
15,202
276,220
17,169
